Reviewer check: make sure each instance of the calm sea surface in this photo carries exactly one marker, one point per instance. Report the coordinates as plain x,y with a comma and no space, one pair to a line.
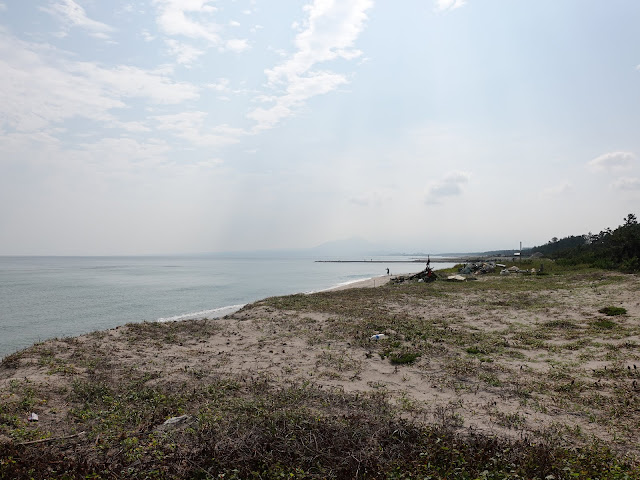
45,297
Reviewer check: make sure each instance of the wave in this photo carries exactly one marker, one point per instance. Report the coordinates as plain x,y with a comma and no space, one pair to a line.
213,313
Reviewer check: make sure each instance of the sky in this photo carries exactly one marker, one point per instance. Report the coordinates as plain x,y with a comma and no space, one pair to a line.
184,126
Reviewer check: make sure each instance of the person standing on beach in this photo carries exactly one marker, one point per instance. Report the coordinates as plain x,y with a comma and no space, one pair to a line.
387,271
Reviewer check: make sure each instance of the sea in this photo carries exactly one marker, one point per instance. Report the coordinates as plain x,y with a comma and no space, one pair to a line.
55,297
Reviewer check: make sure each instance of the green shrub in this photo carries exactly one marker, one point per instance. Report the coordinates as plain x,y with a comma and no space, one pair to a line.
604,324
613,311
402,358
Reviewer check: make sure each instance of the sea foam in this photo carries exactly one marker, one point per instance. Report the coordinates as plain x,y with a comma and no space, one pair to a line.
214,313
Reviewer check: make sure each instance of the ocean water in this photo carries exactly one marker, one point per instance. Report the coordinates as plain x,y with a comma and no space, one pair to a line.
46,297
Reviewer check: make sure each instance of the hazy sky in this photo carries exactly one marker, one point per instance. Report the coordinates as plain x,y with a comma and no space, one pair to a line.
161,126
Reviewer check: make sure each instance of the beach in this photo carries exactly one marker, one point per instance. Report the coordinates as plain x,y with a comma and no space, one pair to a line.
510,357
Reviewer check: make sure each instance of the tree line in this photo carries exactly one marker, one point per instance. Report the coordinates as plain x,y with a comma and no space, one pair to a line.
617,249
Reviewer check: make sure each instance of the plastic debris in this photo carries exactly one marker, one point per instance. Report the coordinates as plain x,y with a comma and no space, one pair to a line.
33,417
378,336
456,278
174,420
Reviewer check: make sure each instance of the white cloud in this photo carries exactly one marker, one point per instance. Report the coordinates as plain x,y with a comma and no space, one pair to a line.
237,45
147,36
134,127
442,5
191,126
558,190
74,15
222,85
331,30
40,87
174,19
612,161
127,81
626,183
329,33
298,92
450,185
185,54
195,20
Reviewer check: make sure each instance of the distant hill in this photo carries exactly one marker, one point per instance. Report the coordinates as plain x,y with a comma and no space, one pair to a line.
617,249
355,246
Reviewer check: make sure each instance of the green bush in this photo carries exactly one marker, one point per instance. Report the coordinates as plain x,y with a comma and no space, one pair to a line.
402,358
613,311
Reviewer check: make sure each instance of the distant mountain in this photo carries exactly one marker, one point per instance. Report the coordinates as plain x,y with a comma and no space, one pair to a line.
355,247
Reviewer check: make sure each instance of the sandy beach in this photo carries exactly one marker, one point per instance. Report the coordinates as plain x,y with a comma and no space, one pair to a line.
513,357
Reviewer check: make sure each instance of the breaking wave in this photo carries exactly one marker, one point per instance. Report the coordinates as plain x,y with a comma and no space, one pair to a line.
214,313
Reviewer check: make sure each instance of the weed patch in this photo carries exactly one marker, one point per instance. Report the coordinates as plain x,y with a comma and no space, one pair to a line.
613,311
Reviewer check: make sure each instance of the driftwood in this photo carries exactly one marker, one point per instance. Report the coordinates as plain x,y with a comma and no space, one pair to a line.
426,275
53,439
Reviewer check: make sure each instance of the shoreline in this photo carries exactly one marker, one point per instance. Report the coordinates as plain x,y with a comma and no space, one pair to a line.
433,260
455,260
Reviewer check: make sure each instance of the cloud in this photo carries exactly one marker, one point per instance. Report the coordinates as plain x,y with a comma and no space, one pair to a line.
185,54
40,87
612,161
173,19
147,36
329,33
222,85
297,93
190,126
195,20
450,185
558,190
626,183
442,5
237,45
73,15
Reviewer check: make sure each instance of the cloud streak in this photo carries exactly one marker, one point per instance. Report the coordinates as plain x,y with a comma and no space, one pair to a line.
174,18
40,88
558,190
626,184
193,20
329,33
612,161
443,5
190,126
73,15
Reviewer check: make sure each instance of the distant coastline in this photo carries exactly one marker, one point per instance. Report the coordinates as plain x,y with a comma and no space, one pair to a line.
420,260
